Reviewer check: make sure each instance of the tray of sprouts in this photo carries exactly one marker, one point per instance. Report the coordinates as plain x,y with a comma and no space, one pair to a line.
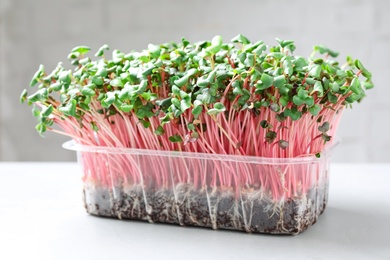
233,135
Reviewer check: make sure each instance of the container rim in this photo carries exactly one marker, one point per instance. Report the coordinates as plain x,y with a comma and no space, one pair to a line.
325,154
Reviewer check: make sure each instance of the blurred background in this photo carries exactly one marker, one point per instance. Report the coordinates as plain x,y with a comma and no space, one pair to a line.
44,31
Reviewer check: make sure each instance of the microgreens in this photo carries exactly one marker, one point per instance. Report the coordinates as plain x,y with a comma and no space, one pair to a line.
224,97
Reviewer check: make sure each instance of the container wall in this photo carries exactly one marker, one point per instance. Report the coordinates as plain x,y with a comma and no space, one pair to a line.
279,198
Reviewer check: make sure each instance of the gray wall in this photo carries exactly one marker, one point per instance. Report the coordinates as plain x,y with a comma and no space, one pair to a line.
44,31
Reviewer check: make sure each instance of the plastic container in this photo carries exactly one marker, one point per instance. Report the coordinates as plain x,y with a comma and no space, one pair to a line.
252,194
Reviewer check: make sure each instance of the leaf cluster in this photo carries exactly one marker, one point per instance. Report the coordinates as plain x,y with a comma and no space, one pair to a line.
190,79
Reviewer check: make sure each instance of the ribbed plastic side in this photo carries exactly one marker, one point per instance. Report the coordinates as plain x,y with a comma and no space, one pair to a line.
264,195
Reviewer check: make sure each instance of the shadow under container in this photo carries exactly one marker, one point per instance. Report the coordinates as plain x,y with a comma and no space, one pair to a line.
246,193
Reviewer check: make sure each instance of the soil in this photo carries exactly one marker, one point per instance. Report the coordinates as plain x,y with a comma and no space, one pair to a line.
253,211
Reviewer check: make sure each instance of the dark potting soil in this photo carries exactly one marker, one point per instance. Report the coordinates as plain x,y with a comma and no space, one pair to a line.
252,212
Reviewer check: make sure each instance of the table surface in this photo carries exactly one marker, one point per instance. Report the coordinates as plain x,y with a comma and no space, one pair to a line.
42,217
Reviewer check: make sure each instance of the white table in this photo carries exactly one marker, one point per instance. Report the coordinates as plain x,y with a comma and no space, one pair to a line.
42,217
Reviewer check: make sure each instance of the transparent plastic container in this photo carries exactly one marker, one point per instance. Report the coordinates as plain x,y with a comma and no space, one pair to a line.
246,193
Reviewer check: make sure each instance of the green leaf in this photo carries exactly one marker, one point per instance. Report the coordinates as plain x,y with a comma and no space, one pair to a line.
206,97
309,101
280,117
37,75
368,84
175,139
318,88
94,126
276,55
218,108
175,102
364,71
302,93
213,49
260,49
117,82
126,107
249,60
341,73
197,110
350,73
145,111
284,100
70,108
182,81
101,50
41,128
335,87
355,86
240,39
109,99
288,69
164,103
102,72
46,111
293,113
315,109
64,98
117,56
81,49
266,81
202,82
191,72
324,127
284,43
318,61
35,111
326,82
283,144
326,137
197,103
274,107
297,100
87,91
354,97
184,42
73,56
84,61
97,80
154,50
145,123
147,70
23,96
270,136
191,127
322,49
41,96
315,71
217,41
65,76
185,104
279,81
311,81
149,96
285,89
332,98
85,104
56,86
159,130
299,64
264,124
